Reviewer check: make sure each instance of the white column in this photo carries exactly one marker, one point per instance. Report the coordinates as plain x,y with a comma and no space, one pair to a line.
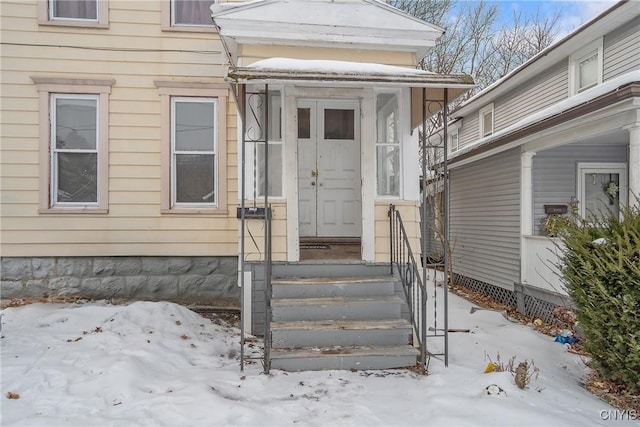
634,164
526,208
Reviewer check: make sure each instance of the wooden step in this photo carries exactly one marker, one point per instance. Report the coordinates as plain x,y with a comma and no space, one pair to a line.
343,357
336,308
342,333
313,287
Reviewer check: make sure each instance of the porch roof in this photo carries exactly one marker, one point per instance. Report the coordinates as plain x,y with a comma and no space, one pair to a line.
354,74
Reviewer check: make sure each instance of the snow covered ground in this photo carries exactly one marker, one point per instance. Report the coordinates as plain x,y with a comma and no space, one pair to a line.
159,364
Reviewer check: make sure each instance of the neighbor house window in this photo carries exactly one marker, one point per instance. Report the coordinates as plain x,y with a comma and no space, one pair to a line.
486,121
453,140
87,13
193,152
193,147
387,145
74,144
187,15
586,67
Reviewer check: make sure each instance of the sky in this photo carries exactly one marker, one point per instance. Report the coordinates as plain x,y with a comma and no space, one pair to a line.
574,12
160,364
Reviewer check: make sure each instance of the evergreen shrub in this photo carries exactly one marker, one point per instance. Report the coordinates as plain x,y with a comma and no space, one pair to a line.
600,265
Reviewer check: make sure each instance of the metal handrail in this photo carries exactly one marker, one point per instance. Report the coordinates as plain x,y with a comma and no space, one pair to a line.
403,262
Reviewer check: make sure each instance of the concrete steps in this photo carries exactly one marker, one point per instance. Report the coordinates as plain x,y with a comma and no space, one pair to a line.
339,322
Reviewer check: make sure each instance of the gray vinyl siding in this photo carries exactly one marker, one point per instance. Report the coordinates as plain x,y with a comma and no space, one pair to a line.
621,50
540,92
555,172
470,131
485,219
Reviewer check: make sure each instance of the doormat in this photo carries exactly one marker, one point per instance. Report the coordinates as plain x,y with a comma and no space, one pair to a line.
314,246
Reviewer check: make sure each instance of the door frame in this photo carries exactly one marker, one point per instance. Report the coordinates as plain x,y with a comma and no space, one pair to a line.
317,106
365,97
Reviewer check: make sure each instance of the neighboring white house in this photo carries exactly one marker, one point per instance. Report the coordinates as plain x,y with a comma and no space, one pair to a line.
560,132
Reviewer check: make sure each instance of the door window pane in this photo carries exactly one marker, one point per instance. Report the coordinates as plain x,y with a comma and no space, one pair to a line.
339,124
602,192
304,123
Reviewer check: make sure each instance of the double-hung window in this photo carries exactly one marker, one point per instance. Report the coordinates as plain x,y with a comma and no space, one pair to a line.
585,67
74,150
193,152
85,13
387,145
486,121
74,144
193,147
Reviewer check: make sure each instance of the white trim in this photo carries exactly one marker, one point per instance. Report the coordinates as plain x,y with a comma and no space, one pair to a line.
526,209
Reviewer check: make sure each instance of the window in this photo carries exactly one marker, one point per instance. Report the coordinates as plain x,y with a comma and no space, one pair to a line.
387,145
453,140
193,152
256,143
74,144
187,15
585,68
84,13
193,147
486,121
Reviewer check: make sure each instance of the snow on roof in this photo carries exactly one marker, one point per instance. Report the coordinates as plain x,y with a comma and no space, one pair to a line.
560,107
331,66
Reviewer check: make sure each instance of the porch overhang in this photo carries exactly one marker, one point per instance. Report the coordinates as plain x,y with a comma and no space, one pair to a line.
441,89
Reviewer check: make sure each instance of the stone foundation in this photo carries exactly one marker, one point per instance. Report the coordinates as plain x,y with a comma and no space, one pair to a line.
185,280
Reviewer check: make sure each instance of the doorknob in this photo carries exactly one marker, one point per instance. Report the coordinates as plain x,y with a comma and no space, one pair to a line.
314,172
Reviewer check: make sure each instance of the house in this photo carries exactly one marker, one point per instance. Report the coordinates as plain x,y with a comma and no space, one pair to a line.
145,143
561,133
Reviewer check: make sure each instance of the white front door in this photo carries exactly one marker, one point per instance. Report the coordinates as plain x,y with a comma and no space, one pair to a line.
329,180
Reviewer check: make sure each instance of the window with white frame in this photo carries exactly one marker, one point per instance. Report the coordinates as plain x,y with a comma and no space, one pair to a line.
193,152
88,13
387,145
256,143
193,147
189,15
74,144
74,150
585,67
453,140
486,121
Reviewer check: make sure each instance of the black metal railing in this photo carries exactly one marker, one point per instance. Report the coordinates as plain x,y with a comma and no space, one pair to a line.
403,263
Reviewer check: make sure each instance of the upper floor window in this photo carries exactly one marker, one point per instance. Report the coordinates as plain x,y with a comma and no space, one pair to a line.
187,15
585,67
74,144
453,140
486,121
84,13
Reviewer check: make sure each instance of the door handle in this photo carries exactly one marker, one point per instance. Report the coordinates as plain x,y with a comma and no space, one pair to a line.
313,183
314,173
